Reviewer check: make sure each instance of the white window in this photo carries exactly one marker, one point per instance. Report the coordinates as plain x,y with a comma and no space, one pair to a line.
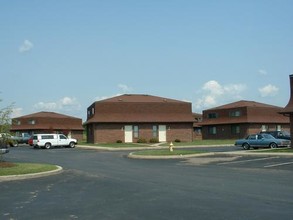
212,130
135,131
32,122
264,128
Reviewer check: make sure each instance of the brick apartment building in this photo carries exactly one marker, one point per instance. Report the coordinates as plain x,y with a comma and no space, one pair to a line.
130,117
238,119
48,122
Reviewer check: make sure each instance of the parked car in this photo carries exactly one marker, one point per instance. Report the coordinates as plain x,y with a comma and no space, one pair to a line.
30,141
52,140
261,140
21,138
279,134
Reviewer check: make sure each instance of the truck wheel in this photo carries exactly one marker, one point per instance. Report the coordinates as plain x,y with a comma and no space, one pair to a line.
71,144
47,146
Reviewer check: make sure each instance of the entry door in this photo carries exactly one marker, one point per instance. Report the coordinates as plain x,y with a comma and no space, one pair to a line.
162,133
128,133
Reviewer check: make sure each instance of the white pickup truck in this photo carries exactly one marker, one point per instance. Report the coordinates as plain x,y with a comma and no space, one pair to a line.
52,140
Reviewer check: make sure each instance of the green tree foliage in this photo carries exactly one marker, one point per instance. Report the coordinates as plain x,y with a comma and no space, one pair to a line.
5,122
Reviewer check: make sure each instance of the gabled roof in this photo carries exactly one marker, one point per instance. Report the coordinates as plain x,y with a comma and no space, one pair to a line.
45,114
140,98
243,103
47,120
133,108
253,112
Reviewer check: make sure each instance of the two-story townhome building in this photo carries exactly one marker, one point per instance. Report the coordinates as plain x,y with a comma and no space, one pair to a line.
48,122
128,118
238,119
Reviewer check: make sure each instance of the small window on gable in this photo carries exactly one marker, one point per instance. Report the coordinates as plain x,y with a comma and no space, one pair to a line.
16,122
235,113
213,115
32,122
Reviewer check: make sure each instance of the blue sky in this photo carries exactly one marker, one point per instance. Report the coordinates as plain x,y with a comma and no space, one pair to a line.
61,56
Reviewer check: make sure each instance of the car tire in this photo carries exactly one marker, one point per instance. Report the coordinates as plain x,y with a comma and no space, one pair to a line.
47,146
246,146
72,145
273,145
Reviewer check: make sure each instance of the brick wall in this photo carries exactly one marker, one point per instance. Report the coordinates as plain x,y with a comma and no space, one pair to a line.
110,133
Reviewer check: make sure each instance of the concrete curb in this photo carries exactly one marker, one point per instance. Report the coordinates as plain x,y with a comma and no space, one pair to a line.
31,175
234,153
133,156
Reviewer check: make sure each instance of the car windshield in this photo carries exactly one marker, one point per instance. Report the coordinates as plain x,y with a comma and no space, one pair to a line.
268,136
286,133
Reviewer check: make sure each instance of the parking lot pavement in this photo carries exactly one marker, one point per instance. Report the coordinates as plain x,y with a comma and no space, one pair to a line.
108,185
251,161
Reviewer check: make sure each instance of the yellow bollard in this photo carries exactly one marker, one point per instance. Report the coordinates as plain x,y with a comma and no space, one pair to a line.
171,147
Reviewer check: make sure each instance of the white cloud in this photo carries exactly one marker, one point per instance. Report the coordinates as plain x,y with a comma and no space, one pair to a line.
124,88
268,90
26,46
16,112
99,98
262,72
65,103
213,93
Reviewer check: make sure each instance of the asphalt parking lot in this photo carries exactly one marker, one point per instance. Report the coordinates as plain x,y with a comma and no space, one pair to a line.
108,185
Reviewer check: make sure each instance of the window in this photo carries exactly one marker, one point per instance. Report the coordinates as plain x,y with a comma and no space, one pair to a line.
212,130
155,131
213,115
235,129
47,136
264,128
62,136
135,131
32,122
279,127
235,113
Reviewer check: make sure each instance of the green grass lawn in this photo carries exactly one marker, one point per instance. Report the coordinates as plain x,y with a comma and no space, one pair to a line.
194,143
7,168
167,152
117,145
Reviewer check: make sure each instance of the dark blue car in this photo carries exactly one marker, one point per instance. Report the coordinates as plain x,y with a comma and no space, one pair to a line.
261,140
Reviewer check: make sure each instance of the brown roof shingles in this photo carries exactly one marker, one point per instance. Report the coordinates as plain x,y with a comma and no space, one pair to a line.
252,112
141,108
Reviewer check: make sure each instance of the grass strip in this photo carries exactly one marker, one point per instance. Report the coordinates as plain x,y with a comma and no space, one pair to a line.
25,168
117,145
167,152
202,142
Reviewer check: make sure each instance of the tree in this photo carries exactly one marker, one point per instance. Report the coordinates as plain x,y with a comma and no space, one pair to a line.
5,123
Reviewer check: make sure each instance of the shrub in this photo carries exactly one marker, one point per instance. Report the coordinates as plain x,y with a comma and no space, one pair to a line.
119,142
154,140
177,140
142,140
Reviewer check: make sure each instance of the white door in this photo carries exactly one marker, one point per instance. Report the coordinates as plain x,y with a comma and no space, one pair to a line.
162,133
128,133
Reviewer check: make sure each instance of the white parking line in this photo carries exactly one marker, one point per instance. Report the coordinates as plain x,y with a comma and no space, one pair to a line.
278,164
244,161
